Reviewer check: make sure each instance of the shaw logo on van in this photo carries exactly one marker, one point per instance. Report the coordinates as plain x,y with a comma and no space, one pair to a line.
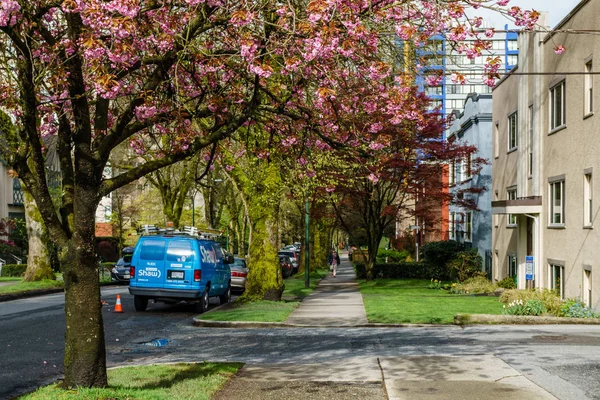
151,272
208,256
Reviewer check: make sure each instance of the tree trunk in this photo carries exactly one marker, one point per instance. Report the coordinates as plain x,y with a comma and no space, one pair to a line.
39,266
85,353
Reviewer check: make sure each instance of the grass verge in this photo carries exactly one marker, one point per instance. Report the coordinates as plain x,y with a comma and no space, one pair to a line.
411,301
9,278
29,286
269,311
151,382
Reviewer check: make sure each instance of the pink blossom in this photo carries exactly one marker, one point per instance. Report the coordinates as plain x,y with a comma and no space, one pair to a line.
330,189
376,127
228,167
434,80
8,11
502,3
559,49
373,178
489,32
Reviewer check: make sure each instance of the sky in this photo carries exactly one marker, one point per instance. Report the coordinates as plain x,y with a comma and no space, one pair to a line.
556,9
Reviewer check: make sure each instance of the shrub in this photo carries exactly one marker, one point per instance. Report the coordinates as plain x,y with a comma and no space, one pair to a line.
465,265
16,270
402,270
437,255
574,308
391,256
507,283
475,285
549,299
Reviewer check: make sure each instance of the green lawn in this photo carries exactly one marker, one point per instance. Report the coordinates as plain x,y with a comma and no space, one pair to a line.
411,301
269,311
28,286
154,382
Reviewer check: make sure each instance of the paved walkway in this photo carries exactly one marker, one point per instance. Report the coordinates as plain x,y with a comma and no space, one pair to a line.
335,302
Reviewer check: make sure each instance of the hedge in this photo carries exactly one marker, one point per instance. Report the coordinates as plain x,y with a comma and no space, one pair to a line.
401,270
14,269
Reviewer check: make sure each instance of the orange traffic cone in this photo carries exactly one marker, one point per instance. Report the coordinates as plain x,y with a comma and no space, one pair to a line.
118,307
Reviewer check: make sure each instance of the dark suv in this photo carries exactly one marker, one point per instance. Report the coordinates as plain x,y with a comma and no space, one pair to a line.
120,272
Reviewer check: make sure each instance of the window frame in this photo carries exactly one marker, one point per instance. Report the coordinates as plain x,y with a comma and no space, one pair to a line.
588,89
552,208
511,194
588,199
555,122
468,235
513,131
552,284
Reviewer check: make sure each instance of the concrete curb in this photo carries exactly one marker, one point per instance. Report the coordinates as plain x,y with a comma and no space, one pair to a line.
483,319
29,293
36,293
259,325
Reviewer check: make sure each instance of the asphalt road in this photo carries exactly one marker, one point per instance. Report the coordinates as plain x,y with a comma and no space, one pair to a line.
564,360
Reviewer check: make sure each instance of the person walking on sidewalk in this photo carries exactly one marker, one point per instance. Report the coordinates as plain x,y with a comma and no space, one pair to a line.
334,261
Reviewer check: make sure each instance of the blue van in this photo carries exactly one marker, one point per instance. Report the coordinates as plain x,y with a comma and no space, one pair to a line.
171,268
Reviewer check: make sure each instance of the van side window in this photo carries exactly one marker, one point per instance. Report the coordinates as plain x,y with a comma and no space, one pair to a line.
180,251
153,250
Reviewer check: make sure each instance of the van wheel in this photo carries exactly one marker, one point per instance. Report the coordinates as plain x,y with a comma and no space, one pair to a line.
202,305
140,303
226,297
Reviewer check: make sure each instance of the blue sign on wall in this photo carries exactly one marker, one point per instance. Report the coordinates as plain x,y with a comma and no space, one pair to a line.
529,268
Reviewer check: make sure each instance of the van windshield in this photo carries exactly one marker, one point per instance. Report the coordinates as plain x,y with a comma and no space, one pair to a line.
153,250
180,251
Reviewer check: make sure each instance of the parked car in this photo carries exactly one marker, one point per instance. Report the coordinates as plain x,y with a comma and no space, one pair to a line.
120,272
172,268
239,272
293,255
287,268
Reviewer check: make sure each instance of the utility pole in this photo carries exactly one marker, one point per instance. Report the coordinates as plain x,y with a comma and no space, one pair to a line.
306,244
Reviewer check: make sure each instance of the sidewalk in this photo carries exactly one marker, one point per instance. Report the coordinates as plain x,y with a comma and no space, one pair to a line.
335,302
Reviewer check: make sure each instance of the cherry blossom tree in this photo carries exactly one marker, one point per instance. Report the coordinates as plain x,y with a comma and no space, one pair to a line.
172,77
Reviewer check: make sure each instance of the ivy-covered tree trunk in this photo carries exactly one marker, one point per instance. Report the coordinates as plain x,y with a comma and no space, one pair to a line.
39,266
265,281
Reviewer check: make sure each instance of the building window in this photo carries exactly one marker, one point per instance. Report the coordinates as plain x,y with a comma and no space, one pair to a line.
452,174
496,217
589,89
458,170
556,273
513,131
469,226
513,267
452,226
588,217
511,194
557,106
557,203
530,123
496,141
468,166
587,288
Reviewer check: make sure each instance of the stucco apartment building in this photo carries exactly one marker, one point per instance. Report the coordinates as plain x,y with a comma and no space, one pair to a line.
473,227
546,163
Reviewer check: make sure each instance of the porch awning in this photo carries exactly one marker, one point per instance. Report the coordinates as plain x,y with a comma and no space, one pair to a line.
524,205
